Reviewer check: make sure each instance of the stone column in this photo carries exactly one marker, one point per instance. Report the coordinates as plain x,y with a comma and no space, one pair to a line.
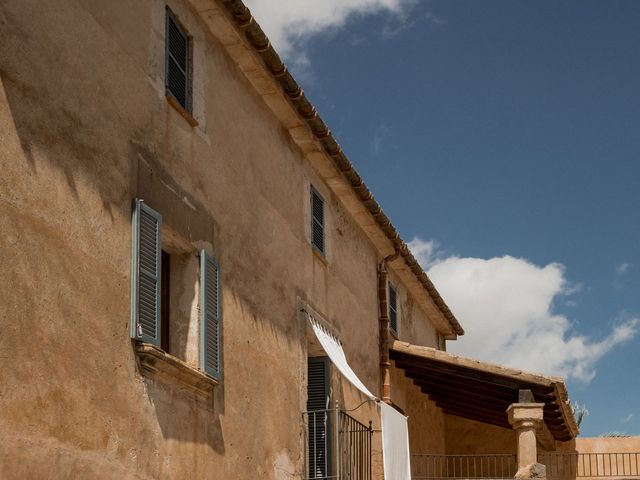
525,418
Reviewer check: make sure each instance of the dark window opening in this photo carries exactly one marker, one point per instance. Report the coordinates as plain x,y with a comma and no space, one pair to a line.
393,309
318,418
178,62
317,220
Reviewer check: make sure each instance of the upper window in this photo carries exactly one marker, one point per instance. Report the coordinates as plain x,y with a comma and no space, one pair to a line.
393,309
178,62
317,221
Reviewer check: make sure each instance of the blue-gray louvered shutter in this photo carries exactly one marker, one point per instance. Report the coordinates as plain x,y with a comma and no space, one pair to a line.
318,417
145,284
210,315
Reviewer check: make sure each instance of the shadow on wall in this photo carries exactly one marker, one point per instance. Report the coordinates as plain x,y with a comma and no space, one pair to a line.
185,417
73,133
44,124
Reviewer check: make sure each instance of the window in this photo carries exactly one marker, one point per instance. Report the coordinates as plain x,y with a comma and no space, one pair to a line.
151,288
319,447
178,62
393,309
317,221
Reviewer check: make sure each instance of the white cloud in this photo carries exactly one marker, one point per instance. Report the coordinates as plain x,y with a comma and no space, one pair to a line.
620,272
627,418
289,23
433,18
378,137
506,306
424,251
623,268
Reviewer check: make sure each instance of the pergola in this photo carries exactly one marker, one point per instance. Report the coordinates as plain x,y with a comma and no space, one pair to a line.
489,393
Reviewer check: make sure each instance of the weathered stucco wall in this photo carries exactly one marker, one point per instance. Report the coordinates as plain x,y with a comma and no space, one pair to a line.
426,421
613,457
84,129
608,444
470,437
601,445
413,324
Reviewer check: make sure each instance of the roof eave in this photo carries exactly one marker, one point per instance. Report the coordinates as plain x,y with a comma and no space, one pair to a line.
244,22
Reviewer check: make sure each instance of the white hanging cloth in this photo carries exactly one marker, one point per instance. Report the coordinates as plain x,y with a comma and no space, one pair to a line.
395,444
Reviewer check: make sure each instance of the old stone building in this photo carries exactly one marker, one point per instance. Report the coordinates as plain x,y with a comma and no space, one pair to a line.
172,211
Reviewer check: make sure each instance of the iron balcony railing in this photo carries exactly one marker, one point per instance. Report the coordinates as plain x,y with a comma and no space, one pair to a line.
342,453
434,467
568,466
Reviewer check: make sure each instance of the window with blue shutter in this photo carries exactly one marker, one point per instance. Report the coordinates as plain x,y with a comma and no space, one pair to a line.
146,274
210,315
318,417
393,309
178,62
317,221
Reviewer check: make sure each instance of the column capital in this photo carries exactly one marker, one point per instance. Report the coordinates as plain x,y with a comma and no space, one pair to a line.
525,415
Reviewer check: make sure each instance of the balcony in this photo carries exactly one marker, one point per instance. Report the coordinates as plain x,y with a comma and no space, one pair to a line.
337,446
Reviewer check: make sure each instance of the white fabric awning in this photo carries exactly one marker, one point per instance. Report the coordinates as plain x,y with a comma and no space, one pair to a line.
333,348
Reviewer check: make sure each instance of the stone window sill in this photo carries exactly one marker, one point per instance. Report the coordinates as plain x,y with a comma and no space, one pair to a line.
157,363
319,255
186,115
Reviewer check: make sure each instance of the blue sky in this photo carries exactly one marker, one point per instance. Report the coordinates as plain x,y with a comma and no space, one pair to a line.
503,138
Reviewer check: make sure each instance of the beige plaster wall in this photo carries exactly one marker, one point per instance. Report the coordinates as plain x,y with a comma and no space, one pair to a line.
601,445
85,129
470,437
413,324
595,457
426,420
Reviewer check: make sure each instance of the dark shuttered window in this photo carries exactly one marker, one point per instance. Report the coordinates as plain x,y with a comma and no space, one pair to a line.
178,62
317,221
393,309
146,274
318,417
210,315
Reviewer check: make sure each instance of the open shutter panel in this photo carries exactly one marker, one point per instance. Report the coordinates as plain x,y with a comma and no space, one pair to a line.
147,225
209,315
319,447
